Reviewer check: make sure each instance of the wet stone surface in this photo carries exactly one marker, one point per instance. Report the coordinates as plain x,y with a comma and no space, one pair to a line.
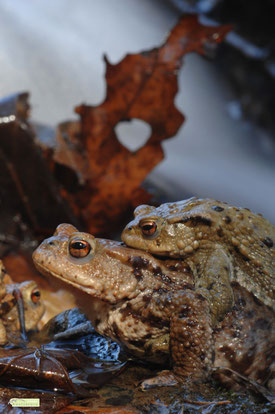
123,391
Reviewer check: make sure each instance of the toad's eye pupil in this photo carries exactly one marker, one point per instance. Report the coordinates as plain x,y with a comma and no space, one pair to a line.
148,228
78,245
35,296
79,248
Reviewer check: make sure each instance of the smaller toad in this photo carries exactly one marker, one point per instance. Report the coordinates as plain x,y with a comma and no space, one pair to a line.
11,318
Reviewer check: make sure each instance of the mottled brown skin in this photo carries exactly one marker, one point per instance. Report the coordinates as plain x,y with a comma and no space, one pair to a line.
245,340
221,244
149,306
9,318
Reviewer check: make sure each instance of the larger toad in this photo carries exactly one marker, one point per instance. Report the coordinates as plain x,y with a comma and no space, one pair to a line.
152,308
221,244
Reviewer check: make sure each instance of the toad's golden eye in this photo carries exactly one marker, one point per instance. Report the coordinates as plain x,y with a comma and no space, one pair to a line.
35,295
148,227
79,248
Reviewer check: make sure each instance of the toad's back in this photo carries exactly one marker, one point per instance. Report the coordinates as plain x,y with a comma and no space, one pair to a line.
188,228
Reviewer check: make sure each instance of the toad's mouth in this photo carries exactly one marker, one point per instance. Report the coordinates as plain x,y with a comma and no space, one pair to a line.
100,292
67,283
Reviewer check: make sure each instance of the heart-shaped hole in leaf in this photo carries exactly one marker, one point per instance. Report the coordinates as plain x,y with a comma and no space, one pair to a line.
133,134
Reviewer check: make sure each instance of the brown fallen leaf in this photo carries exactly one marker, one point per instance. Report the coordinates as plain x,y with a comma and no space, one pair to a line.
20,267
90,179
40,368
108,176
55,369
30,200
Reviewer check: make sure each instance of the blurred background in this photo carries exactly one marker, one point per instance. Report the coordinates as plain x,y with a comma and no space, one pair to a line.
226,146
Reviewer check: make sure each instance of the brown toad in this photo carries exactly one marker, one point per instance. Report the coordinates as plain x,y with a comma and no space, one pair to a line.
11,318
221,244
152,308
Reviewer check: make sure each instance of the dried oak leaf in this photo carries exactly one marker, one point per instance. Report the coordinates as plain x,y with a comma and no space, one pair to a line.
141,86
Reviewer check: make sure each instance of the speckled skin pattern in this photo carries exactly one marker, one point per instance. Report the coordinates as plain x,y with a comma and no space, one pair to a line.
245,339
221,244
9,319
152,308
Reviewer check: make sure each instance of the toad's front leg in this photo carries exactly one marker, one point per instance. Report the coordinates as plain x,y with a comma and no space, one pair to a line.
213,274
191,341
